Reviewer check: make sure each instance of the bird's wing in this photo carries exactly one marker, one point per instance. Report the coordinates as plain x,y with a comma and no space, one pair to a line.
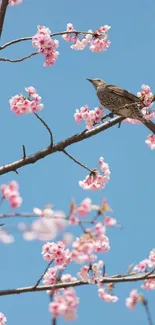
123,93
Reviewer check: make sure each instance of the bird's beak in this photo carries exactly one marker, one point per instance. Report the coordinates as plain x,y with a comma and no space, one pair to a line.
91,80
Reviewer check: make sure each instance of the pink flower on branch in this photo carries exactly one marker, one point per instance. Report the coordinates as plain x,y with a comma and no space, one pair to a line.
65,304
107,297
132,300
97,40
91,117
46,45
11,193
96,181
146,96
19,104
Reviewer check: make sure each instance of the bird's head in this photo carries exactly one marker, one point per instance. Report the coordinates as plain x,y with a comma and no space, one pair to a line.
97,82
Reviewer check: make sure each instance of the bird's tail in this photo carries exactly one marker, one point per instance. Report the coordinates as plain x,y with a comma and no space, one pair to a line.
150,125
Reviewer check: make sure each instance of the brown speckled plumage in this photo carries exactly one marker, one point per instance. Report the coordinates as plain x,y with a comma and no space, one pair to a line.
120,102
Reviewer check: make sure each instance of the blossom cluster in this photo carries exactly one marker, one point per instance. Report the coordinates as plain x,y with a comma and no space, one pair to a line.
19,104
96,181
46,45
11,193
146,96
91,117
3,319
57,253
132,300
97,40
65,303
46,227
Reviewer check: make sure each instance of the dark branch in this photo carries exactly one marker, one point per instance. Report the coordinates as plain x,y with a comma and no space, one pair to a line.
19,60
3,9
59,146
112,279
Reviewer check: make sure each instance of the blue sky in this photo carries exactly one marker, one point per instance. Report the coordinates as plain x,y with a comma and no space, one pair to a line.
128,63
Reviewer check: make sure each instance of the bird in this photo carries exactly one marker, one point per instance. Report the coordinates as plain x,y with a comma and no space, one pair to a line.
121,102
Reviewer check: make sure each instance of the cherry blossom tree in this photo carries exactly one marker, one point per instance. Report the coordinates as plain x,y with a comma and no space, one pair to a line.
86,251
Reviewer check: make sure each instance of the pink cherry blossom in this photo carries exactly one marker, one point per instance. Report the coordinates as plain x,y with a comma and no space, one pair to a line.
84,208
96,181
5,238
93,241
150,141
19,104
3,319
107,297
50,276
152,258
149,284
15,2
56,252
109,221
67,238
73,220
65,304
132,300
97,40
10,192
99,45
141,266
91,117
46,45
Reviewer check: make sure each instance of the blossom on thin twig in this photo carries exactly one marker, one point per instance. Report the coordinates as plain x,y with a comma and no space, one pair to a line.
19,104
46,45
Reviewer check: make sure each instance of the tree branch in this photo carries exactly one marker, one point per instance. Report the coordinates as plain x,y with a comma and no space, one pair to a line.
60,146
29,38
112,279
19,60
3,9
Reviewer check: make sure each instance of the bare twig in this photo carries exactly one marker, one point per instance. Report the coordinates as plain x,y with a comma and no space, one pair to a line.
41,277
147,310
24,151
59,146
47,127
19,60
3,9
76,161
54,321
113,279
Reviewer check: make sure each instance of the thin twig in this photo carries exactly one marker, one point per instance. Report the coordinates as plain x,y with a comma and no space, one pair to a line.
3,9
19,60
24,151
47,127
29,38
147,310
76,161
54,321
41,277
113,279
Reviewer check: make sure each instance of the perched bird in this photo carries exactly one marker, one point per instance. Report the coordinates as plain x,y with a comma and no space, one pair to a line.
120,102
